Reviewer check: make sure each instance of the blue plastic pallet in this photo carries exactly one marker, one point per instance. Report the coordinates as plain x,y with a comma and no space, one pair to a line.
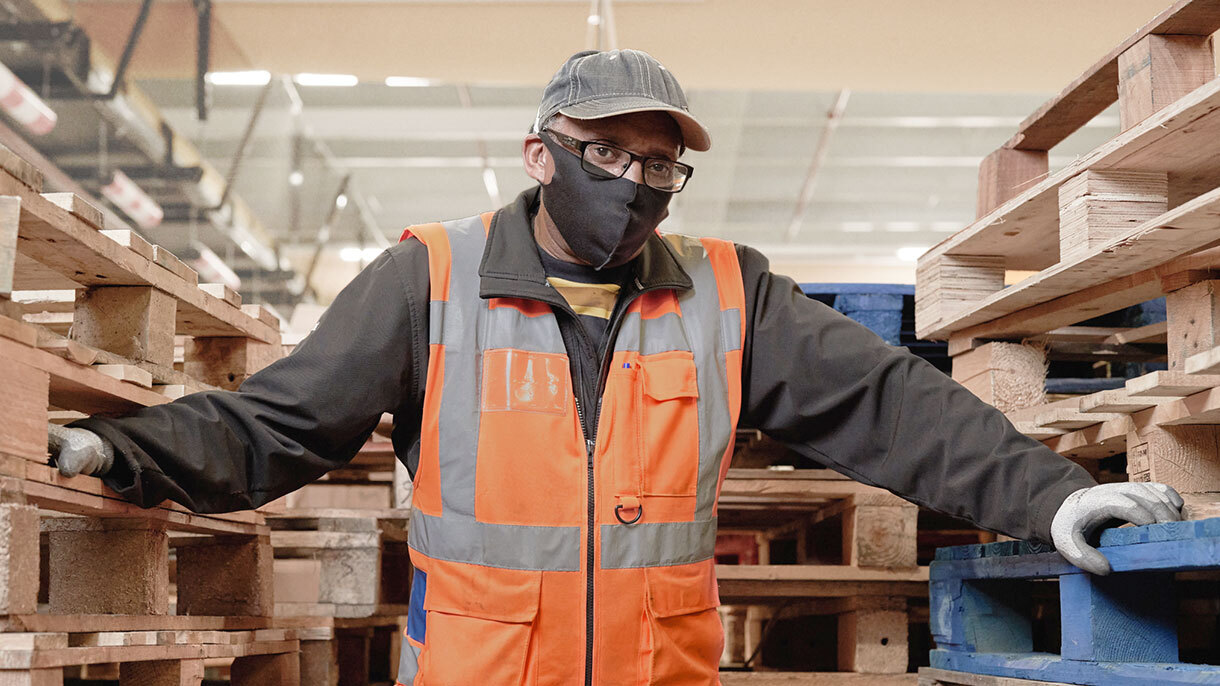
876,305
1118,630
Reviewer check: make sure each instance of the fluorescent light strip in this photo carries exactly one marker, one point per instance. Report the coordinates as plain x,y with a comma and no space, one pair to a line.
344,80
239,78
407,82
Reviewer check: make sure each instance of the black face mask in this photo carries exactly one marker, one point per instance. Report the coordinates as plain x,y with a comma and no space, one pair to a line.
604,220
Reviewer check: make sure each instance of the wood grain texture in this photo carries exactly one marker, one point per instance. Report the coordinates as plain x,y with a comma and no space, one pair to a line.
23,410
1097,88
18,559
1193,319
1023,229
1005,173
1098,206
136,322
1185,457
873,641
84,550
1158,70
77,206
1182,230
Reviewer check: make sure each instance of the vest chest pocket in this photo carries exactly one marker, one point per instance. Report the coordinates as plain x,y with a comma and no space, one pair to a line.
669,424
479,627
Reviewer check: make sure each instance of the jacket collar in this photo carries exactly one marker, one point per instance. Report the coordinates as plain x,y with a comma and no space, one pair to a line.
511,267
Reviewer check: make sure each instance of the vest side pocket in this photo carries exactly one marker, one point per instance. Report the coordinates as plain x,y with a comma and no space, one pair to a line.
686,634
670,424
480,623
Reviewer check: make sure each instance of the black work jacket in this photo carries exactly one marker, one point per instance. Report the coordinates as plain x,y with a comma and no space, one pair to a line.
815,380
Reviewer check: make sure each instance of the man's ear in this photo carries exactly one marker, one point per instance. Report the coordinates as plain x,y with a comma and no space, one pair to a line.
537,159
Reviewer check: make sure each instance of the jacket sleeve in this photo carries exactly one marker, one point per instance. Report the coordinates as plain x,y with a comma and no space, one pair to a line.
834,392
303,415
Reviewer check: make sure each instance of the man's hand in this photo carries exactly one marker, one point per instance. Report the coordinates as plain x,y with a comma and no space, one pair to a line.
1086,509
77,451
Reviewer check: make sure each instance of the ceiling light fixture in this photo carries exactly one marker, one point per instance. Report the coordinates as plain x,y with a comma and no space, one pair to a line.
407,82
341,201
133,201
21,104
239,78
345,80
296,178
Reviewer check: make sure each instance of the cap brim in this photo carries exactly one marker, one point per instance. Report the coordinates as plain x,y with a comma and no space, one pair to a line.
694,135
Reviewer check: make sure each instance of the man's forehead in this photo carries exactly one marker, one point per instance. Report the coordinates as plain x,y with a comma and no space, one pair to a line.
655,130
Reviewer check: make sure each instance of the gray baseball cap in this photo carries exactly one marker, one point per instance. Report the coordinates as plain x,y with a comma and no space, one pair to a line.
594,84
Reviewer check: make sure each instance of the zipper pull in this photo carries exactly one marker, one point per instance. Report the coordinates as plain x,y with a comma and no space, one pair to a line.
590,445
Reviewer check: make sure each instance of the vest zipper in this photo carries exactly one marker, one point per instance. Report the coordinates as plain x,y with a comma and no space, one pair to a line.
590,432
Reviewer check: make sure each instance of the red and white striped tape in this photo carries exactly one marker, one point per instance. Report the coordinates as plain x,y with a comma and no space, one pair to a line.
135,203
20,102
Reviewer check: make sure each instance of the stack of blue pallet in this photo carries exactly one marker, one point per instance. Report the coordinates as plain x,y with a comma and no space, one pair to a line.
1117,630
887,309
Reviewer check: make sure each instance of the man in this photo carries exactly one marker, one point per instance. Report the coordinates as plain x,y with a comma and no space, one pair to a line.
565,384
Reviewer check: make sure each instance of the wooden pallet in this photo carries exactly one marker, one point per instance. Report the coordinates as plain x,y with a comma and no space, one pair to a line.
1116,630
117,293
1129,222
850,551
348,651
1138,201
341,563
267,657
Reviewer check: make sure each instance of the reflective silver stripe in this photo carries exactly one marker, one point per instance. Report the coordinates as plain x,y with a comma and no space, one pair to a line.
408,663
436,322
730,329
704,323
651,336
458,426
507,327
506,546
657,544
467,325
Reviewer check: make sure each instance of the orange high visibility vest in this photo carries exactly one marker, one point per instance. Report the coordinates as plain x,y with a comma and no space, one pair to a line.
533,547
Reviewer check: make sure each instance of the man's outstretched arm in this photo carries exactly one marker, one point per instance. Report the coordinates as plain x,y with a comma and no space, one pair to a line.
834,392
288,424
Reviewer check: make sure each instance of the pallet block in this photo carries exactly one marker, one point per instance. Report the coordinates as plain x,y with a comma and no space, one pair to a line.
136,322
947,284
873,636
1098,206
225,575
1008,376
1184,457
227,362
1193,316
1005,173
341,563
1117,630
1158,70
83,550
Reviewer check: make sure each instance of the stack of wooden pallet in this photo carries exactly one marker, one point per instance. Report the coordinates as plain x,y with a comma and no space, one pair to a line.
1134,220
342,569
829,565
87,577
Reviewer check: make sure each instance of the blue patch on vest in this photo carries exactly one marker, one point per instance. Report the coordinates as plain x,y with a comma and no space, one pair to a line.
416,616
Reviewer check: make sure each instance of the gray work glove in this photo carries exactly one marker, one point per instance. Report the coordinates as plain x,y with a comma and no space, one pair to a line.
1086,509
78,451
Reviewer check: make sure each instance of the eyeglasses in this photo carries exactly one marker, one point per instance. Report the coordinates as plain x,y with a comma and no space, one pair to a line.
607,161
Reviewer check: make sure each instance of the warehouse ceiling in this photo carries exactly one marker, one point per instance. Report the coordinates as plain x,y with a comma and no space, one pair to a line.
923,96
